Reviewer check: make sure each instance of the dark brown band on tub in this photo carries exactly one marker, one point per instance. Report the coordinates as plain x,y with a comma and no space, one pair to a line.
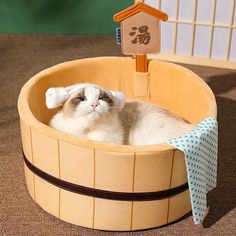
98,193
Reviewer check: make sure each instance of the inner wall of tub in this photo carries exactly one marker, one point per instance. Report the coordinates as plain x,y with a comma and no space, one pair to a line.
170,87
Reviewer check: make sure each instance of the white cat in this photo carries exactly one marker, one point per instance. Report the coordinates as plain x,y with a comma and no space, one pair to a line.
92,113
146,124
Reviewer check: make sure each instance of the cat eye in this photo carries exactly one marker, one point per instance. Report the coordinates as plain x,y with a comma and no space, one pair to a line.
105,99
81,99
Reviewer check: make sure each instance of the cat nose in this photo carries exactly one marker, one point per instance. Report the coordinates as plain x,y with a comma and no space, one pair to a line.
94,104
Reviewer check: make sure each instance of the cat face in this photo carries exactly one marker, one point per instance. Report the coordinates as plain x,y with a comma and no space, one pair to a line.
90,102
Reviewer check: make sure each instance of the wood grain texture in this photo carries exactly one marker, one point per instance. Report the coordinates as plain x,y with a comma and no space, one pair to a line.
47,196
77,164
29,178
26,140
76,209
152,171
179,174
112,215
114,171
149,214
141,83
45,152
179,206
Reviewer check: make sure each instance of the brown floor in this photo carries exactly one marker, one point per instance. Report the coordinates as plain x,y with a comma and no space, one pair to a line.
23,56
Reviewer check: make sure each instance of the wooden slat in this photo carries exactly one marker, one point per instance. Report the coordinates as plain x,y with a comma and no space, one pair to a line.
220,25
194,26
45,152
141,83
176,26
149,214
231,29
29,177
77,164
26,140
77,209
212,29
114,171
112,215
152,171
179,206
195,60
47,196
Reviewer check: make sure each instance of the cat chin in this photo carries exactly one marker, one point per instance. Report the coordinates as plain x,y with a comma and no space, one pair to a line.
93,115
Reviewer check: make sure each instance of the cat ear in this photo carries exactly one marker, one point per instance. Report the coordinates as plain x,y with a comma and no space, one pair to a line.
119,99
55,97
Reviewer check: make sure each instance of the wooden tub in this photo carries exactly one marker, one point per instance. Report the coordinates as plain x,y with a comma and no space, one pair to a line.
110,187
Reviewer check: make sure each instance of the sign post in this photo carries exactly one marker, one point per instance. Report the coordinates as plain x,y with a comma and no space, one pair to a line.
141,63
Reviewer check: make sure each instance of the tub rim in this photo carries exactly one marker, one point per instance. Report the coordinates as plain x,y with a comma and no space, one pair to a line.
27,116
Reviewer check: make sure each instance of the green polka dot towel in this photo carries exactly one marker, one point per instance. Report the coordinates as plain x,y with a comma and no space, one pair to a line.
200,150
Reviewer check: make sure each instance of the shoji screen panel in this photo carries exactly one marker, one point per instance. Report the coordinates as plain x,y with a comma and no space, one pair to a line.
198,32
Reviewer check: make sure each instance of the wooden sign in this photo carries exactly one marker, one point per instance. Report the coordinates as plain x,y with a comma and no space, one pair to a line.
140,34
140,31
